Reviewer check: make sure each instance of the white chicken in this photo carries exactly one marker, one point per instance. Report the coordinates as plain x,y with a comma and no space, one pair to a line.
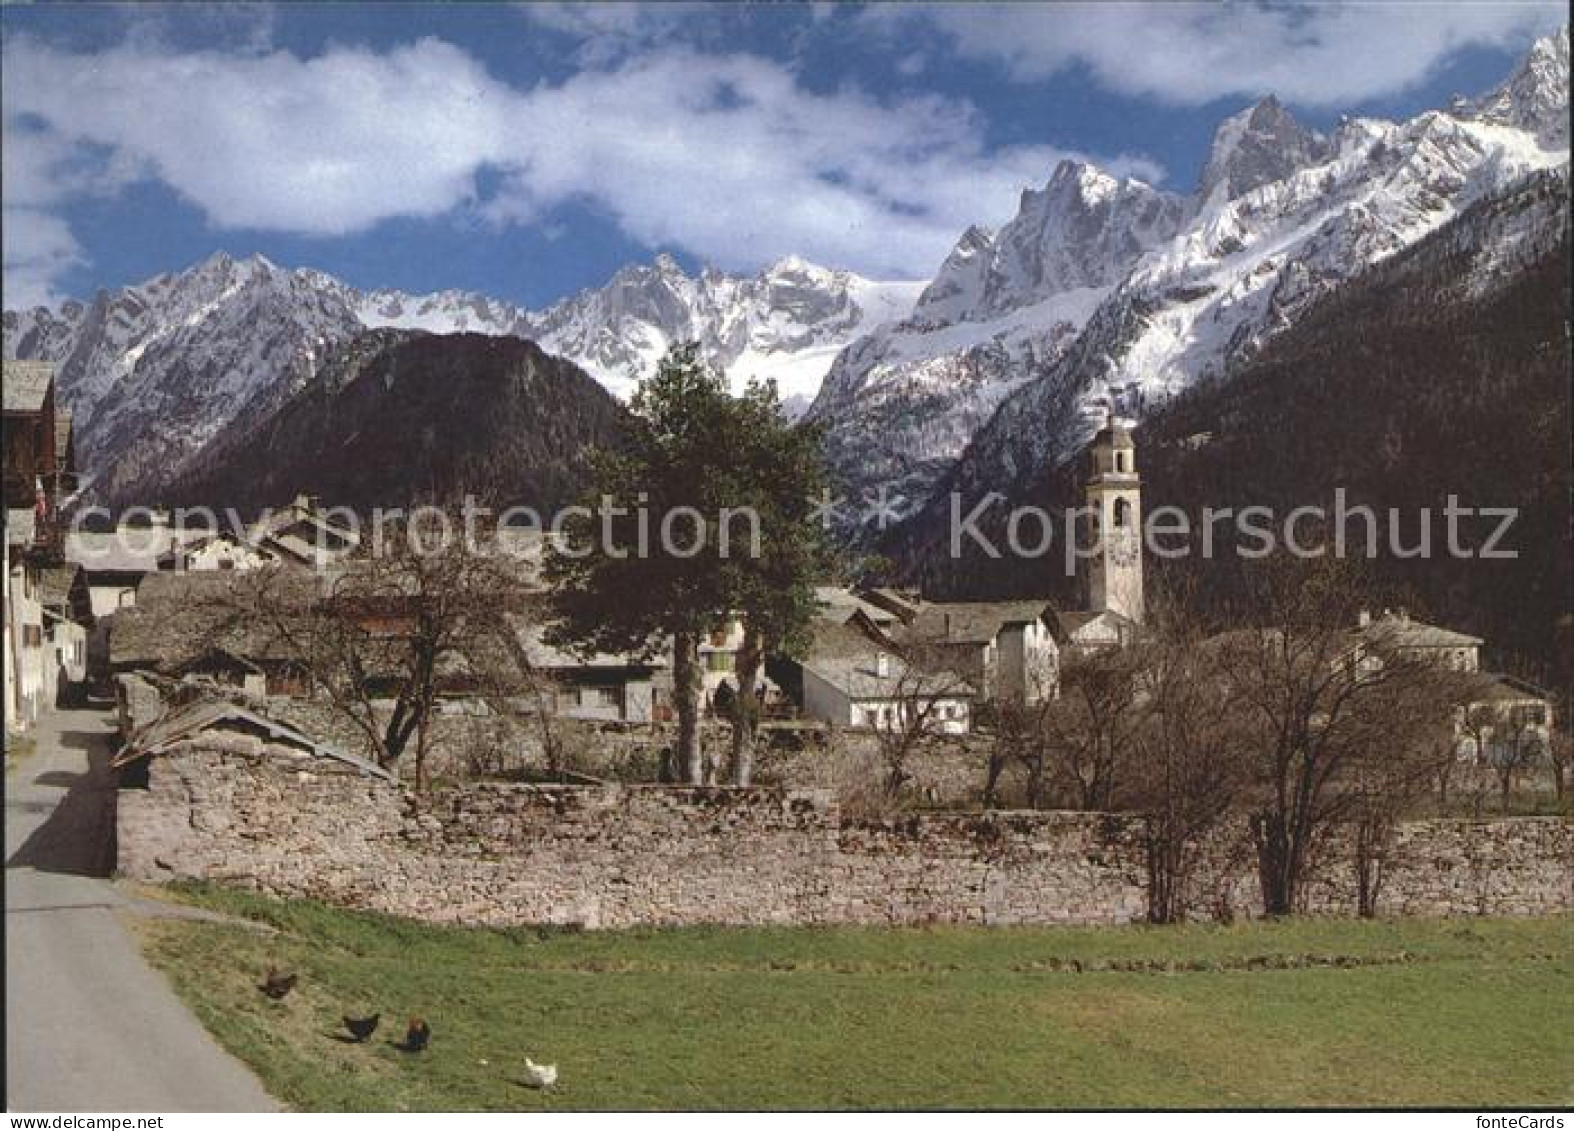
539,1075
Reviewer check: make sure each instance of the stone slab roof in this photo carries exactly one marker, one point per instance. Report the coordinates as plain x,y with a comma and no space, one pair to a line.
26,384
1399,631
846,657
189,722
180,617
839,604
132,550
972,622
1498,687
1074,624
21,526
54,583
858,678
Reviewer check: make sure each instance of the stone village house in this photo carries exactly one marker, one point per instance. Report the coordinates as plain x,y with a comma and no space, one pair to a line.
860,670
1518,706
115,563
44,628
183,625
1015,650
1000,650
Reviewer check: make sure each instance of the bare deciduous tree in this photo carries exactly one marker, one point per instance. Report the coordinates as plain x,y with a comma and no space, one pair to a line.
1186,773
922,692
379,634
1416,749
1084,737
1324,705
1511,742
1560,753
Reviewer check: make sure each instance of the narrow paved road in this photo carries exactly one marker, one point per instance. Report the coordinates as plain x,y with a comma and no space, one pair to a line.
89,1025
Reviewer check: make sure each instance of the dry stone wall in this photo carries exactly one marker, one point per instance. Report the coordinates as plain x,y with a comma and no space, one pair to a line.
617,856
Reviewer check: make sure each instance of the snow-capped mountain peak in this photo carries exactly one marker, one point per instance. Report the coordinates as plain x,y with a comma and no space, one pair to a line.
1535,98
1084,228
1261,144
1101,289
787,322
1107,291
958,286
155,370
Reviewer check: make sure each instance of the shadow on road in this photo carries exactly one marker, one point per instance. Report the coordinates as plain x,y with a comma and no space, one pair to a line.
83,739
78,836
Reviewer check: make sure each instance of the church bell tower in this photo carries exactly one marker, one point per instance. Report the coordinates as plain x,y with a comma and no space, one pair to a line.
1113,496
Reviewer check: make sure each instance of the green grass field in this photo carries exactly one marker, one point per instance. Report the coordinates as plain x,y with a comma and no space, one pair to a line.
1317,1012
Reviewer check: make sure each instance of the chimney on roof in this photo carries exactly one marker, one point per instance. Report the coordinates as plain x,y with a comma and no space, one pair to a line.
1363,619
882,665
948,626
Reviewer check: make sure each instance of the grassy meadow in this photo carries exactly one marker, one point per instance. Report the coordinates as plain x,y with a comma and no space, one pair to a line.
1472,1013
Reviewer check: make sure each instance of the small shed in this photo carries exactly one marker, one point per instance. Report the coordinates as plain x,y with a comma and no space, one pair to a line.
225,723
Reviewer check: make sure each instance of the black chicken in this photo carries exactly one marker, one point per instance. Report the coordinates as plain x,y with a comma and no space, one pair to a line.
417,1035
362,1027
276,985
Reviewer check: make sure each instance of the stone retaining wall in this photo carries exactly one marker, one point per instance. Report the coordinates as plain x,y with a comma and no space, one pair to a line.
616,856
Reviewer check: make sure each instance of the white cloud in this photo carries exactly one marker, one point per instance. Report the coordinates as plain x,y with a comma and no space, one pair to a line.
38,249
323,146
613,29
1317,54
728,157
616,18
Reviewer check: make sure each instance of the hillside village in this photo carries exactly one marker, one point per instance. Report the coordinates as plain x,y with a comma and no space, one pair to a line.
132,611
787,557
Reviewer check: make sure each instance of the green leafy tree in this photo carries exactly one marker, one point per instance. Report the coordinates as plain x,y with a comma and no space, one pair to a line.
631,573
774,468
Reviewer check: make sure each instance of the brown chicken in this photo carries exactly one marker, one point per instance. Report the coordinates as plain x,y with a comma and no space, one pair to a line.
417,1035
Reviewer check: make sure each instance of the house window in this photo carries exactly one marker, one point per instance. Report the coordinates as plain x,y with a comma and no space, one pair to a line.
33,635
1122,513
719,661
599,697
1530,714
287,683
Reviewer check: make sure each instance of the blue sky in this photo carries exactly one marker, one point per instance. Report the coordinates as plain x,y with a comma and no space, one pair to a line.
529,150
